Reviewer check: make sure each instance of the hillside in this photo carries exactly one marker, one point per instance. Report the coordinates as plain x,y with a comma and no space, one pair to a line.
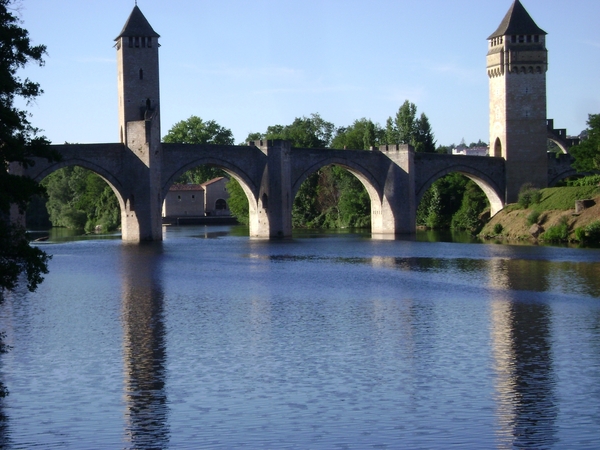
556,208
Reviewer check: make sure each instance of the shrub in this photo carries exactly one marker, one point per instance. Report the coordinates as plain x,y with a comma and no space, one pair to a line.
556,233
498,228
591,180
592,232
533,217
589,234
529,195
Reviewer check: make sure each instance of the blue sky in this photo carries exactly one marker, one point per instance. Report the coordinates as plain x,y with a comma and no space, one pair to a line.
251,64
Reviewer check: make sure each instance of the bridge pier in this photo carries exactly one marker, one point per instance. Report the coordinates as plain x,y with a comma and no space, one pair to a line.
272,216
396,213
141,209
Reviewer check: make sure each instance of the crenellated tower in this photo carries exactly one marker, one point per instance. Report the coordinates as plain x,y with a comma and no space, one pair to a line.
137,65
139,127
517,62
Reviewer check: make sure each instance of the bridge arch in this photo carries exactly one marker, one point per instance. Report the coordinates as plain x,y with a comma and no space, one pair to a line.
364,176
248,185
245,180
109,178
488,186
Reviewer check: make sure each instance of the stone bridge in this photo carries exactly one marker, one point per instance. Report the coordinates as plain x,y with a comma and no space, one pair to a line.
271,172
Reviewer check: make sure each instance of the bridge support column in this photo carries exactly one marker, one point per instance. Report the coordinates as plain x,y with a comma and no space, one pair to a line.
141,218
397,212
273,214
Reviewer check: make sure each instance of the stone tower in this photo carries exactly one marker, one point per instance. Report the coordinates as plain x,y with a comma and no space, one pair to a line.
137,65
139,127
517,61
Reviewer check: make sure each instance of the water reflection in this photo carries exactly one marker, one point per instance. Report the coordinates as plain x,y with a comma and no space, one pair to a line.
144,348
526,403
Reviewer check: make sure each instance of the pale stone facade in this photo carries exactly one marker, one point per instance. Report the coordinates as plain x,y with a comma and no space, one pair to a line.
197,200
517,62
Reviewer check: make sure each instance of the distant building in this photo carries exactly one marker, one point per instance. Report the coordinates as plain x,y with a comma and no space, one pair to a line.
197,200
471,151
215,197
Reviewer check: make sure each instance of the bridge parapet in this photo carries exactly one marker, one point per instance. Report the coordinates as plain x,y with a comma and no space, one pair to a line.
559,168
397,148
559,135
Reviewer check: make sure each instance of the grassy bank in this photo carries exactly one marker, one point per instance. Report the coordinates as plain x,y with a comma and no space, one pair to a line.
551,218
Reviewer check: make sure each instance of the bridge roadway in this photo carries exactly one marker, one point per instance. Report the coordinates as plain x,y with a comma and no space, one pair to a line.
271,172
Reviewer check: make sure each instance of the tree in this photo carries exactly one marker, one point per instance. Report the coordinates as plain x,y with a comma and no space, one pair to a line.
406,128
330,197
238,202
587,153
80,199
304,132
423,138
361,135
20,142
197,131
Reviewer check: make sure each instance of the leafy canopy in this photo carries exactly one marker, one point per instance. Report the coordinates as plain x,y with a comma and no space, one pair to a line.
197,131
19,144
407,128
587,153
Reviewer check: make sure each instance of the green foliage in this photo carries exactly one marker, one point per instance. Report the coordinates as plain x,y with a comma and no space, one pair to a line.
238,202
529,195
498,228
557,233
468,217
587,153
197,131
590,180
304,132
590,234
406,128
19,143
305,209
19,257
453,202
563,198
533,217
330,197
361,135
80,199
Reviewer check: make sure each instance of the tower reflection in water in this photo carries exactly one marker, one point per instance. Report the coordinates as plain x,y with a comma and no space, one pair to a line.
144,351
521,330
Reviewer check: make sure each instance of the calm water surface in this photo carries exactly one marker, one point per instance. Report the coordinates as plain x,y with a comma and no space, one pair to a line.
214,340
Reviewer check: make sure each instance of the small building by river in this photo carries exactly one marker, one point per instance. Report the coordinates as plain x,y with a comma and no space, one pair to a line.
197,201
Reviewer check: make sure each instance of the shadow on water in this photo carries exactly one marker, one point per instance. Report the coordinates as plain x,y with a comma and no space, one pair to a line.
144,347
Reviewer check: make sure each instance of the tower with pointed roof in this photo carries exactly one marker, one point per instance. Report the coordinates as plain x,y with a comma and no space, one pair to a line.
139,127
517,62
137,64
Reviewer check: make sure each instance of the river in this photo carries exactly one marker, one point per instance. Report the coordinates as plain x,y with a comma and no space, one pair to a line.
214,340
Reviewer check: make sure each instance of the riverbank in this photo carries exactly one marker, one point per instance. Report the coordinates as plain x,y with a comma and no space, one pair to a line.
515,223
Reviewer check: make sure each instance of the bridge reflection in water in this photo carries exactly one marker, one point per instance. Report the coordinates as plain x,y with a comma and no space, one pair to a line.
144,347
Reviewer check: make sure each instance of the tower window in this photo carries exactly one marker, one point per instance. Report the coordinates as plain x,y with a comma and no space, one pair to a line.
137,42
521,39
141,74
528,38
130,41
149,41
513,39
536,38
